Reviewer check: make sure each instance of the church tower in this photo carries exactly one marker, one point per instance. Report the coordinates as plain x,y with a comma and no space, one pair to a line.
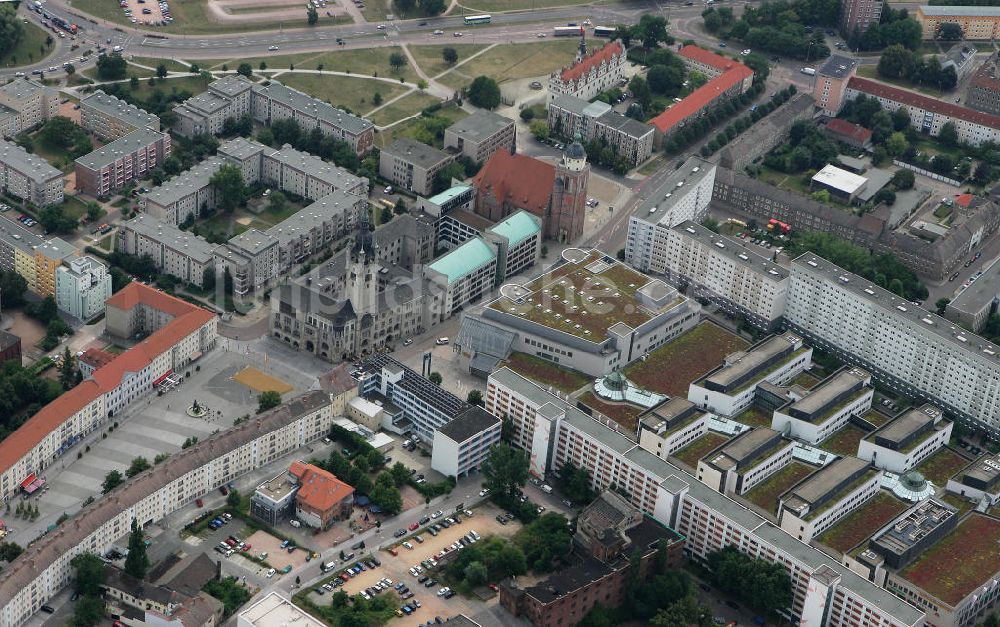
581,53
568,208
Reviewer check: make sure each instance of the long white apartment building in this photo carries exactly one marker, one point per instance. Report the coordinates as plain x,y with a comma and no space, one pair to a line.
29,177
824,592
910,349
900,445
44,569
813,505
730,389
725,271
683,196
25,104
826,408
110,118
179,253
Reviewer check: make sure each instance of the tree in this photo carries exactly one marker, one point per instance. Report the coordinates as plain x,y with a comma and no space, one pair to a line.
941,304
539,129
900,119
312,15
136,562
229,591
11,28
984,173
896,62
435,378
475,397
12,286
397,60
94,211
476,574
575,483
229,187
268,400
949,31
376,99
111,67
506,470
664,79
70,69
433,7
55,220
896,144
948,135
111,481
450,55
903,179
138,465
386,495
639,89
68,370
277,201
161,71
405,6
90,574
759,583
400,474
245,69
233,498
484,93
88,612
9,551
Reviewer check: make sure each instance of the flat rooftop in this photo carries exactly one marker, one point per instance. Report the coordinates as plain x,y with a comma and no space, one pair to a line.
658,205
191,245
275,610
960,11
838,66
585,297
820,485
981,293
743,449
755,363
734,250
985,470
904,426
279,487
139,139
119,109
840,179
823,396
913,526
417,153
670,414
480,125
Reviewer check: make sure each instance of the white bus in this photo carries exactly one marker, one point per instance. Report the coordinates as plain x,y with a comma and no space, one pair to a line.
478,19
566,31
605,31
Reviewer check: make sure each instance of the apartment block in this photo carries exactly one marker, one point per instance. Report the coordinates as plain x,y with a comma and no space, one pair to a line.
518,242
670,426
857,15
307,175
629,139
977,22
905,346
463,275
972,305
741,282
44,570
413,165
463,444
123,161
227,97
83,285
819,412
731,388
33,258
909,439
110,118
29,177
814,504
26,104
738,465
481,134
830,87
184,196
251,258
984,88
179,253
766,134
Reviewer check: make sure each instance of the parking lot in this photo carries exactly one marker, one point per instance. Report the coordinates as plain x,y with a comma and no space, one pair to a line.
397,567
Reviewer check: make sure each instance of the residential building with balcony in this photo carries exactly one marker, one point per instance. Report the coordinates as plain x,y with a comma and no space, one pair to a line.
110,118
29,177
481,134
26,104
83,285
179,253
629,139
413,165
125,160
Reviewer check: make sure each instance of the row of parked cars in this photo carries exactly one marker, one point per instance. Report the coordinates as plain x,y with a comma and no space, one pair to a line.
359,567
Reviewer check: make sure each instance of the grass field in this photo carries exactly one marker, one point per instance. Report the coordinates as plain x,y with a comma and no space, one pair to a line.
410,104
755,417
479,6
191,17
407,129
193,84
845,441
622,413
30,49
765,495
691,453
343,91
172,66
941,466
546,373
870,71
672,367
806,380
74,207
367,62
862,522
962,561
429,57
130,71
512,61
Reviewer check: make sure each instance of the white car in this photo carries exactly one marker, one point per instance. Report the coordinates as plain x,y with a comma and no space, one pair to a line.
408,545
441,341
407,342
270,573
438,33
272,48
437,514
540,35
387,190
443,591
745,52
484,492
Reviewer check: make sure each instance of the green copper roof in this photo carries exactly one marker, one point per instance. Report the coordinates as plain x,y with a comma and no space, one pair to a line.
516,228
465,259
448,194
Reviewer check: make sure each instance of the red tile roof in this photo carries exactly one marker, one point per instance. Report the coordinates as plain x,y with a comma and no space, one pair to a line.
964,200
700,98
592,60
707,57
524,181
187,319
96,358
848,129
881,90
319,490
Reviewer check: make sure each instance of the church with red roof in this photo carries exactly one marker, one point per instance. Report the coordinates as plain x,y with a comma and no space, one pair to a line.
591,73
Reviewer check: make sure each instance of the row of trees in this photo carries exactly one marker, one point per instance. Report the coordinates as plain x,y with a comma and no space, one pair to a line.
650,32
900,63
894,27
426,7
743,123
695,130
11,28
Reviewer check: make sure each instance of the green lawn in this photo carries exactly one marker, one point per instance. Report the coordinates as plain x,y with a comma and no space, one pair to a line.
194,84
377,11
107,243
131,70
191,17
870,71
74,207
765,494
410,104
367,62
860,524
343,91
844,442
546,373
30,49
172,66
513,61
56,156
941,466
429,57
409,128
693,452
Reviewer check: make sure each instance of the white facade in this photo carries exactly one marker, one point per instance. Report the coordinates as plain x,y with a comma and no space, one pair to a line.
82,286
724,270
902,444
599,71
827,407
909,348
29,177
33,104
814,519
464,444
683,196
664,443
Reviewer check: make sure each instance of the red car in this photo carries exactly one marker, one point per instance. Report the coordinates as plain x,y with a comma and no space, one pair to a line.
199,503
247,547
494,587
414,527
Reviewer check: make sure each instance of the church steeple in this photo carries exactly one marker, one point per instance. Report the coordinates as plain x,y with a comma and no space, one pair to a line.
582,52
364,241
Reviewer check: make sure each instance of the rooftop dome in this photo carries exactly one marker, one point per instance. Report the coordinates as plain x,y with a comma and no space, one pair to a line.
576,151
913,480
